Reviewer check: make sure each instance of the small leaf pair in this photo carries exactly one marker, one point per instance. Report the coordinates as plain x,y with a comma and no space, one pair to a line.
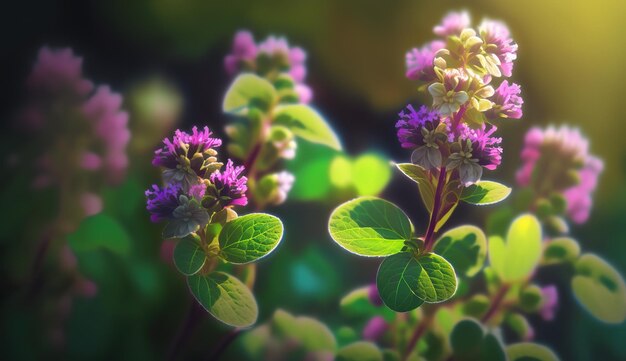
241,241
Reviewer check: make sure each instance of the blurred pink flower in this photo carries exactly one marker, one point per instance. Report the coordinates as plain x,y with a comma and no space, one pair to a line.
58,70
91,203
453,24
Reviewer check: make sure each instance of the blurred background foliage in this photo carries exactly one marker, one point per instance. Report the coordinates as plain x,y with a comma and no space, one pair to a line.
165,56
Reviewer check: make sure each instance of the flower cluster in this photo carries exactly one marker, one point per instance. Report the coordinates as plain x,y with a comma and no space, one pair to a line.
195,184
557,165
271,58
436,143
84,131
459,70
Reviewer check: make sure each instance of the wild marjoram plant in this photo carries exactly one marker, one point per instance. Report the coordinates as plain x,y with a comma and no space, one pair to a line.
452,142
200,193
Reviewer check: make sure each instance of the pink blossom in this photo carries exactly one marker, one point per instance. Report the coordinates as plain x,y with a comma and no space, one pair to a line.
58,70
453,24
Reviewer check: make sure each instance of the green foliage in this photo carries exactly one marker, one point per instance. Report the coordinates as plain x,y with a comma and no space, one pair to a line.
600,289
465,247
516,258
305,122
356,305
359,351
309,333
405,281
370,226
397,281
476,306
527,351
530,298
189,256
100,232
560,250
421,177
470,342
485,193
225,297
248,91
520,325
250,237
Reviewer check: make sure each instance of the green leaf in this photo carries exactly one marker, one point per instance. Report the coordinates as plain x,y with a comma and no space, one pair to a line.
250,237
465,247
530,298
307,123
476,306
470,342
520,325
420,176
359,351
527,351
189,257
405,281
370,226
560,250
485,192
225,297
600,289
397,281
517,258
100,232
309,333
249,90
437,281
357,305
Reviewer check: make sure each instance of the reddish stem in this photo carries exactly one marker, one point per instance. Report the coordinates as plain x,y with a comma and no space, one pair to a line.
417,334
496,303
434,216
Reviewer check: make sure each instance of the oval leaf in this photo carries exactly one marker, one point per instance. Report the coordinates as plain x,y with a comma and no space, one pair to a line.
225,297
560,250
530,351
485,192
470,342
311,334
600,289
248,238
100,232
248,90
397,279
370,226
307,123
437,281
517,258
189,257
359,351
465,247
421,177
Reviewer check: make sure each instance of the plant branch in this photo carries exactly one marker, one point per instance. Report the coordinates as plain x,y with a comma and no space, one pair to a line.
224,343
496,303
417,334
184,331
434,216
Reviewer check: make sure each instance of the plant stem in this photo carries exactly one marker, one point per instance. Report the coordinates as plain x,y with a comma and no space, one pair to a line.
434,216
184,331
417,334
496,303
224,343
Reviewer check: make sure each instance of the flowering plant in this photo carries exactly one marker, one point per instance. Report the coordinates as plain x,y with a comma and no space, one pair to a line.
452,142
200,193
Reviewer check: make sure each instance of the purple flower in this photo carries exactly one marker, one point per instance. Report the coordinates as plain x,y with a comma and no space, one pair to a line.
562,156
578,197
244,50
453,24
410,125
497,41
285,183
188,157
550,302
182,210
419,62
58,70
229,186
375,328
475,149
507,102
111,127
374,296
161,202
